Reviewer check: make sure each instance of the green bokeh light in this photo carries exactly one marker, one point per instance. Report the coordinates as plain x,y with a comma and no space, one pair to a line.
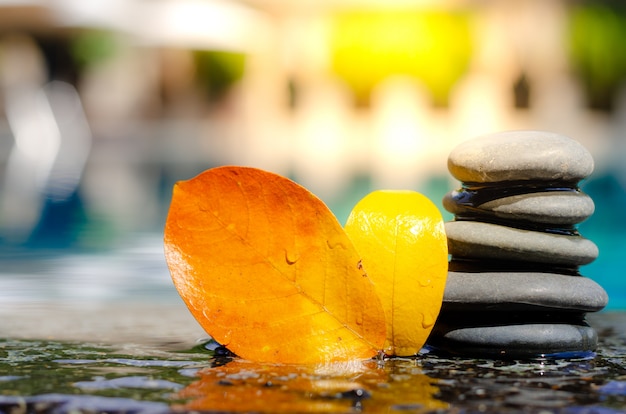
597,51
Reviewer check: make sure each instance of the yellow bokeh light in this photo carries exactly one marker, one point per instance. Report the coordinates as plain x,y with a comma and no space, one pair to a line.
432,46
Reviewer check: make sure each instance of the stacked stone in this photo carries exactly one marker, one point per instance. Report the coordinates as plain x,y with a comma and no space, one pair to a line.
514,288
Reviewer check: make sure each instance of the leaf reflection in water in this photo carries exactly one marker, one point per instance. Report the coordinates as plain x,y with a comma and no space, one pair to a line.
368,386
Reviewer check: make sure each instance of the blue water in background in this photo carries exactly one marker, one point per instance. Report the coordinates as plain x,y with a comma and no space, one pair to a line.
60,224
607,229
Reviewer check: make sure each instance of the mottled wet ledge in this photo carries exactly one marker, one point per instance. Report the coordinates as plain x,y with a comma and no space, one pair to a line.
62,376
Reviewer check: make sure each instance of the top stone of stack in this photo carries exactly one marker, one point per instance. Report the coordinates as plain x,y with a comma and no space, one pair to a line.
520,156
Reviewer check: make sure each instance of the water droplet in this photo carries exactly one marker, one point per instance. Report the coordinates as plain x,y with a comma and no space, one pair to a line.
334,243
291,257
355,394
424,281
428,320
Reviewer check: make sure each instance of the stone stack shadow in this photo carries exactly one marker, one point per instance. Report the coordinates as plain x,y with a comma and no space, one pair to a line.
514,289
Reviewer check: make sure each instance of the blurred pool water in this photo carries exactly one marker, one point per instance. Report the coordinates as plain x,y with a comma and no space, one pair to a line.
130,267
135,270
607,228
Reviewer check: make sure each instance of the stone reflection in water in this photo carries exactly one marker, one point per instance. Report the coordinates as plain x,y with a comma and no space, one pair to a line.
509,386
241,386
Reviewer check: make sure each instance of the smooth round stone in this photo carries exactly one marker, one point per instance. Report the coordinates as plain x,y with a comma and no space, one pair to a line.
520,155
547,207
473,239
514,341
527,291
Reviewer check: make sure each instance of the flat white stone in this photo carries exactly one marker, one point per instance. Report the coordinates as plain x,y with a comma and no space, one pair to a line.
520,155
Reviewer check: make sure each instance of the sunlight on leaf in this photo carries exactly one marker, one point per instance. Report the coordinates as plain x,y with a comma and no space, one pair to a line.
268,271
401,238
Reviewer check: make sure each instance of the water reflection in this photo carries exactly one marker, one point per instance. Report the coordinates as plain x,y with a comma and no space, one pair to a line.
369,386
90,377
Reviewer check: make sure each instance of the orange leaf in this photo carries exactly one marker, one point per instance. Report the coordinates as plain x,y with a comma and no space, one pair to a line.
268,271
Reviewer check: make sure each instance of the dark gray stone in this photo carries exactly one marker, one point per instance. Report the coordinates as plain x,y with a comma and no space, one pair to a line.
472,239
514,341
520,155
547,207
527,291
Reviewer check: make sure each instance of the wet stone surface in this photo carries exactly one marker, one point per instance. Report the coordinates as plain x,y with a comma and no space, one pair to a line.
77,377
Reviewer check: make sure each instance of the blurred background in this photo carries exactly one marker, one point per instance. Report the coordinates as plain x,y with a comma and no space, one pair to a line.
104,105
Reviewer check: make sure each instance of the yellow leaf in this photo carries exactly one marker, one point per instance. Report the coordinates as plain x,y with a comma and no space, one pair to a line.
401,238
268,271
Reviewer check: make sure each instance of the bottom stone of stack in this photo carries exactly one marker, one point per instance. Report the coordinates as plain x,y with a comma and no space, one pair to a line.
516,336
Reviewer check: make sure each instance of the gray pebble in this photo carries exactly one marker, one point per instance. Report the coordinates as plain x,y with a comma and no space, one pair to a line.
515,340
516,291
478,240
548,207
520,155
